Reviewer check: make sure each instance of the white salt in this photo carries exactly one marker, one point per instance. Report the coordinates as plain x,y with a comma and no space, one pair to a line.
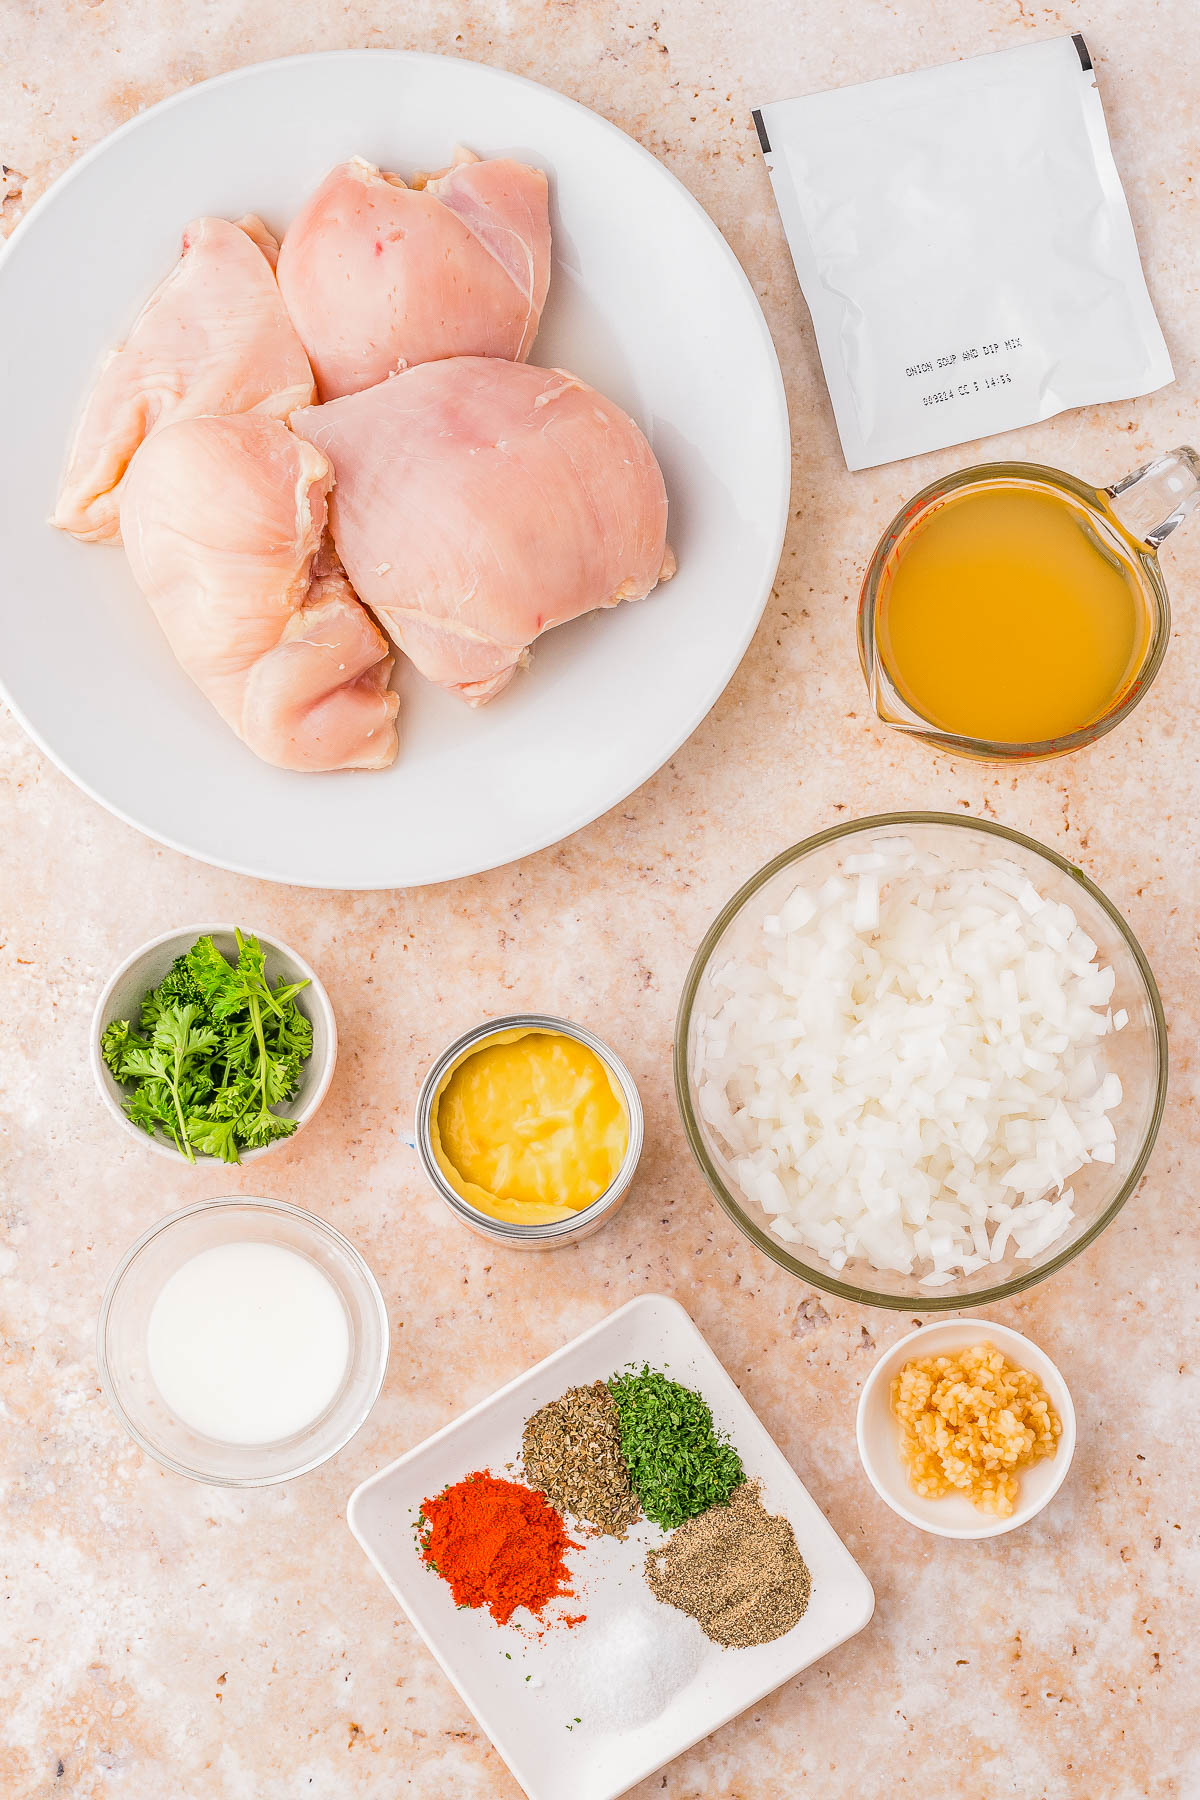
625,1668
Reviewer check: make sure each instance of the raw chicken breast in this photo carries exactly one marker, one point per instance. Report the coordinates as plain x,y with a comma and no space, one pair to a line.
213,338
378,275
480,502
224,522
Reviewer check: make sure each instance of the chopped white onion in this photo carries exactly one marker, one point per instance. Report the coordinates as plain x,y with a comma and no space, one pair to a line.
902,1065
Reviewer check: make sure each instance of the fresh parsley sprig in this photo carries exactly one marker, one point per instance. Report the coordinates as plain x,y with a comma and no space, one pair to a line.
215,1050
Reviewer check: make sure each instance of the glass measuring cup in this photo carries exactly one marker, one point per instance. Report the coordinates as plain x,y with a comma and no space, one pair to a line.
1130,519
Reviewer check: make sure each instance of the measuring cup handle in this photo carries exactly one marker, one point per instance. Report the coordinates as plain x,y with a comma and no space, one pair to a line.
1163,491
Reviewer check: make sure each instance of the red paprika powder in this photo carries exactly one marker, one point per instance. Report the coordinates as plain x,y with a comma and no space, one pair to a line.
499,1544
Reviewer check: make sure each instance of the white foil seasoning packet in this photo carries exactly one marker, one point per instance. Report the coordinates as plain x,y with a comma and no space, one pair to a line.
965,249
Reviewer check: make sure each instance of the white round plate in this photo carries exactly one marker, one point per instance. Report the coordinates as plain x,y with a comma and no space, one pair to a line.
647,302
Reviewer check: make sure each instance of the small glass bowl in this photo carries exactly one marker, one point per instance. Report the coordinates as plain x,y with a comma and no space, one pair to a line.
125,1312
1138,1054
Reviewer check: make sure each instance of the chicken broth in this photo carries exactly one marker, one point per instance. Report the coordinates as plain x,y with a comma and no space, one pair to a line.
1012,613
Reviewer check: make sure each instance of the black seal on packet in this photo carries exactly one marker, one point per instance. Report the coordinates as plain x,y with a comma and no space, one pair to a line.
764,142
1080,43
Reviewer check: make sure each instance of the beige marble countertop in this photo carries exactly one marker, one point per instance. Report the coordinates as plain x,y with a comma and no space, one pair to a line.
161,1641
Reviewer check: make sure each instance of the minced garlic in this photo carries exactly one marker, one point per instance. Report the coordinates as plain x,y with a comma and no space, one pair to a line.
968,1422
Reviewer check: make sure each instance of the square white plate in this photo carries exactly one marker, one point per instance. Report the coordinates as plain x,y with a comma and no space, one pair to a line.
527,1722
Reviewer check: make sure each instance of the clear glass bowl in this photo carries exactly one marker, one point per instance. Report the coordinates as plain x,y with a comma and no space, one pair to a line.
125,1313
1138,1054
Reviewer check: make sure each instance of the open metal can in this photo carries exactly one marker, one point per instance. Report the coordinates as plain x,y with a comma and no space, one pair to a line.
502,1231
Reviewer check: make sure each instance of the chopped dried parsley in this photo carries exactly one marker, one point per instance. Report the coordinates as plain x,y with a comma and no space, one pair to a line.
678,1464
736,1570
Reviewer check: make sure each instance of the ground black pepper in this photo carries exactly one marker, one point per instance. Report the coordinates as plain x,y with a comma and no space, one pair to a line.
736,1570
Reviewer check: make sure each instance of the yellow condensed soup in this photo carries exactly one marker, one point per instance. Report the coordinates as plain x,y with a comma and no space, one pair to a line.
530,1127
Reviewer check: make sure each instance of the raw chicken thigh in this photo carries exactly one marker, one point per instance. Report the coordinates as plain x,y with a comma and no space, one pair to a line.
379,276
480,502
223,520
213,338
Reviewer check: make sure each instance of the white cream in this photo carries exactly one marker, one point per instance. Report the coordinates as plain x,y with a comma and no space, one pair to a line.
248,1343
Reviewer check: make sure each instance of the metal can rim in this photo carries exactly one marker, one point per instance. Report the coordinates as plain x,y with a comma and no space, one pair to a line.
505,1230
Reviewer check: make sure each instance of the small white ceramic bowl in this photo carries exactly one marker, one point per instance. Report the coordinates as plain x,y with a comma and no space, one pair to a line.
954,1516
122,995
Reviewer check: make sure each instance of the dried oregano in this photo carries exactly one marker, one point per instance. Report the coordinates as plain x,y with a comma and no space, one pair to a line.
571,1450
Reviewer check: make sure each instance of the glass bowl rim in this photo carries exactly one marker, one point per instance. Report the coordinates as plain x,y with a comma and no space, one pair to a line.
824,1278
166,1223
